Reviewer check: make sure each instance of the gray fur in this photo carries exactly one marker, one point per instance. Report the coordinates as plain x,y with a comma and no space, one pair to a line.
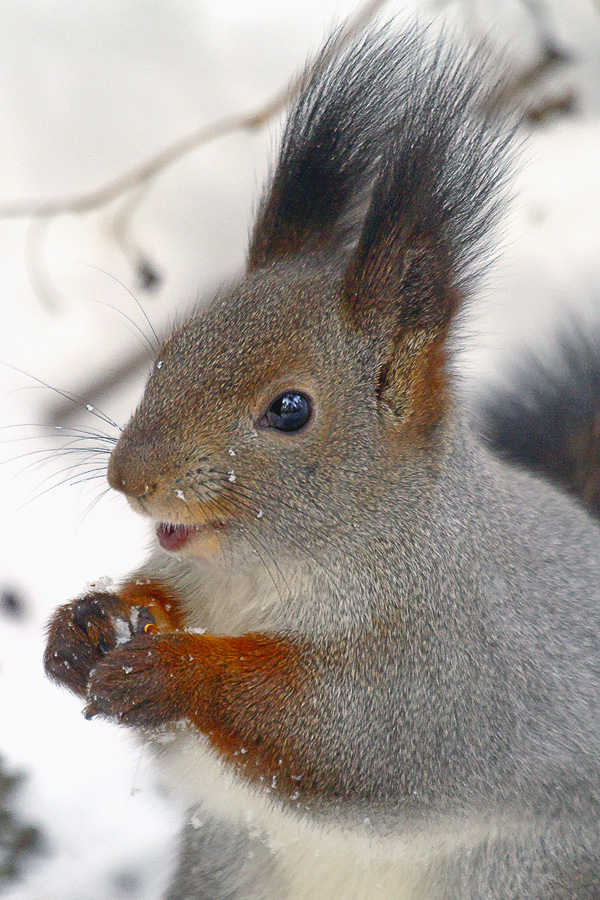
481,696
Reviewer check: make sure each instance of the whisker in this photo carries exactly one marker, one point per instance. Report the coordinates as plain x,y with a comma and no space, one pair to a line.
37,496
137,331
76,471
267,504
243,501
250,541
256,538
86,477
72,467
304,551
325,514
47,459
82,430
136,301
81,438
102,494
75,445
239,527
206,518
67,395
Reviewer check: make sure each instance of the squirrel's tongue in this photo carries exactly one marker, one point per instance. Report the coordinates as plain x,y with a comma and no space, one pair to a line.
172,537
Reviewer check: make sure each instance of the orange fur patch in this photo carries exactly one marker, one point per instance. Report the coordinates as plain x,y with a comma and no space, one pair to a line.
244,693
158,599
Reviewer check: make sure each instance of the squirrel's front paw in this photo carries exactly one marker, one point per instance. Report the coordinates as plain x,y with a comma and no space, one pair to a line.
82,632
141,683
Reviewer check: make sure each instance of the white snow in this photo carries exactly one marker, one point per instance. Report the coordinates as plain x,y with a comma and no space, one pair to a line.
122,630
87,91
104,583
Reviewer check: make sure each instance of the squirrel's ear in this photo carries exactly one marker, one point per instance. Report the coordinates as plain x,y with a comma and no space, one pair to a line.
434,200
399,288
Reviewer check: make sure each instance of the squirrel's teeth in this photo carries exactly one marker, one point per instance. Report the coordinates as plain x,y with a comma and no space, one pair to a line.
173,537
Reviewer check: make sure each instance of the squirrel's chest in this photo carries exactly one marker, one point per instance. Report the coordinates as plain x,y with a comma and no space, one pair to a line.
318,867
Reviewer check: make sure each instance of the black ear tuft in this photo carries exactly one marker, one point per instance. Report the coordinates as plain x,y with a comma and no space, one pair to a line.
436,195
393,159
332,142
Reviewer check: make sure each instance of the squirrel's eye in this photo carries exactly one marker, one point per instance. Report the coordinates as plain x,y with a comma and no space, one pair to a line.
289,412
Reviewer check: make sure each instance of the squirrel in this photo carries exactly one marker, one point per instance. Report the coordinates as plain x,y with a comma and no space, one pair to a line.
366,646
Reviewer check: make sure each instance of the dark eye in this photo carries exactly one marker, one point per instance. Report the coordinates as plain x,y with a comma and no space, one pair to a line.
289,412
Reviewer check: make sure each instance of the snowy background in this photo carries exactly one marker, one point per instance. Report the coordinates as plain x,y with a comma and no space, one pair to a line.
88,90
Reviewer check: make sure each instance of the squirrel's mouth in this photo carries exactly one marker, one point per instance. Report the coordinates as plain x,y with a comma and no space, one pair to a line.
174,537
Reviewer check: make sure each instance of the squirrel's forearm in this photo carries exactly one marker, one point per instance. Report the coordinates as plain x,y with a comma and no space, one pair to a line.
242,693
252,696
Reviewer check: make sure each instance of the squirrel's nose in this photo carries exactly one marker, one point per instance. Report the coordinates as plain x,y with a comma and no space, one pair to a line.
128,477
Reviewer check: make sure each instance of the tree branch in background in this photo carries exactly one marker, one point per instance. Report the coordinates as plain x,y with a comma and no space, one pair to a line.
135,183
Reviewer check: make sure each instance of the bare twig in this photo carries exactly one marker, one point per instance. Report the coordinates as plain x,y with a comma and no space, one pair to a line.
532,76
37,232
139,175
137,181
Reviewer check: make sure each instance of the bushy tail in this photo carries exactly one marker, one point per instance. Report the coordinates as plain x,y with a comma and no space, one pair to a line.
548,419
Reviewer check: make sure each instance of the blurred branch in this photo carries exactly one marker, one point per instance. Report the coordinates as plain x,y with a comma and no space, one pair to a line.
139,175
518,89
540,17
39,277
138,180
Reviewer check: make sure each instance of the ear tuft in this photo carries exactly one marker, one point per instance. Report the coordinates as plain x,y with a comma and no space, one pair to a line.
437,194
335,135
328,150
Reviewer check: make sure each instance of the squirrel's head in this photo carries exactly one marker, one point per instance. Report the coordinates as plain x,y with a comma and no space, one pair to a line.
319,385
